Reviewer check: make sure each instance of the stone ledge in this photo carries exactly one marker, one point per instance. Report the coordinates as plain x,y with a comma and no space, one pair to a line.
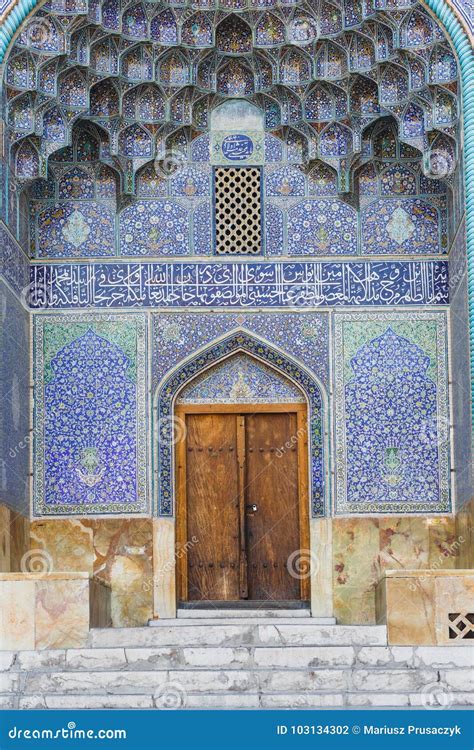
425,607
57,576
51,610
429,573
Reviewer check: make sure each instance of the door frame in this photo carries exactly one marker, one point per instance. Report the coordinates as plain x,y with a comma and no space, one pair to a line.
302,445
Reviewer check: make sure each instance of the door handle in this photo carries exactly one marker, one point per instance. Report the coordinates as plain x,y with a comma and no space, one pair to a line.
252,508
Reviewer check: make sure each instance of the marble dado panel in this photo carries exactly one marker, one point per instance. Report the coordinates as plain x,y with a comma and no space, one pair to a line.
119,552
50,610
363,548
90,412
392,413
465,530
239,284
427,607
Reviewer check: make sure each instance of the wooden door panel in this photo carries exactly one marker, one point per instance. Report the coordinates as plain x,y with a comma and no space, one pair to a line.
272,486
212,507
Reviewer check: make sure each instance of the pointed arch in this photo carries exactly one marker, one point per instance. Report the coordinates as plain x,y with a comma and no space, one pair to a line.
213,353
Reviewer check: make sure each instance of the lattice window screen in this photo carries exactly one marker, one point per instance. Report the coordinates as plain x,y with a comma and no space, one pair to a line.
238,210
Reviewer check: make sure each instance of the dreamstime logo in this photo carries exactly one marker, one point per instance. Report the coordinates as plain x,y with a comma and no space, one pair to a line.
301,564
435,431
436,696
171,430
440,164
36,561
170,696
41,33
293,440
36,294
170,163
301,30
304,295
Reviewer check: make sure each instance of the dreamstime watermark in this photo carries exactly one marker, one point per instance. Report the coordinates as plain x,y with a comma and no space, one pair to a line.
301,30
71,732
302,564
439,164
170,696
435,430
171,430
291,443
37,561
170,565
18,448
41,33
36,294
169,163
307,294
439,564
436,696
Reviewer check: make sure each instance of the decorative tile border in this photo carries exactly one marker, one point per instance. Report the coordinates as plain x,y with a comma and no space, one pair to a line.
172,385
239,284
432,436
42,361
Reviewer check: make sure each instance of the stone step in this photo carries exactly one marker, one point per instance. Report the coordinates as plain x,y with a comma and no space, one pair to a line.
284,681
253,676
239,701
375,658
246,614
307,683
245,632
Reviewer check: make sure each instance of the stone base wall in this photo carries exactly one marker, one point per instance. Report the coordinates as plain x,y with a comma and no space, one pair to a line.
352,557
465,530
121,552
118,551
427,607
51,610
363,548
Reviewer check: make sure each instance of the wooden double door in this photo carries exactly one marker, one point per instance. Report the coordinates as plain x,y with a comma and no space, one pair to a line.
242,514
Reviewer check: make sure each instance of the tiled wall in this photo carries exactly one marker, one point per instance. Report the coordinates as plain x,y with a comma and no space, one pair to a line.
389,406
15,436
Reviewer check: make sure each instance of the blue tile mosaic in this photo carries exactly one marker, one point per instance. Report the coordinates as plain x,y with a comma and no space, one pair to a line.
69,229
154,228
131,285
90,448
15,437
240,380
392,418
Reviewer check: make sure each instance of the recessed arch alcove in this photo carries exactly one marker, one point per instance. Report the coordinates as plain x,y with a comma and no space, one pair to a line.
224,374
284,365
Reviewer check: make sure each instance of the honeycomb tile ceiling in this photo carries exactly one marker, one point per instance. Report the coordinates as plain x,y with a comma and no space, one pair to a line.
153,72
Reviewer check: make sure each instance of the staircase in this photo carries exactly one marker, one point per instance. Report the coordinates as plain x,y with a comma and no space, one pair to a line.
249,663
